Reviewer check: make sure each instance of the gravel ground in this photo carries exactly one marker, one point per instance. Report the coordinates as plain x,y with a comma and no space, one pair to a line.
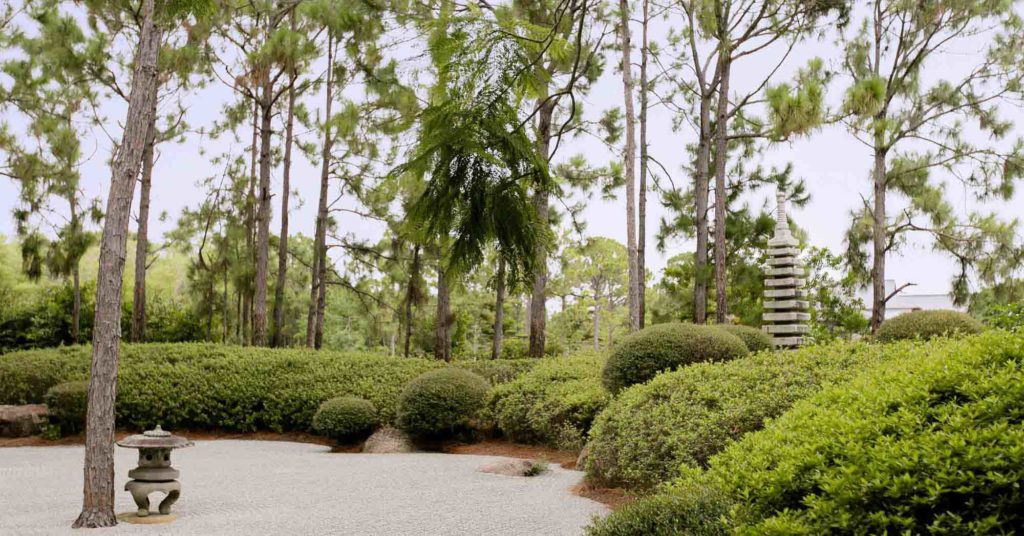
270,487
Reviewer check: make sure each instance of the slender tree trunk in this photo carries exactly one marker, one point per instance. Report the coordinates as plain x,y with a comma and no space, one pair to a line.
142,237
499,311
98,489
538,302
250,226
282,243
224,319
410,296
321,303
442,321
721,159
629,167
76,305
641,245
611,317
597,320
320,239
700,216
878,236
259,316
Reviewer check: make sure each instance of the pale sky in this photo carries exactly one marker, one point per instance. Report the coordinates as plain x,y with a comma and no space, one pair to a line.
834,165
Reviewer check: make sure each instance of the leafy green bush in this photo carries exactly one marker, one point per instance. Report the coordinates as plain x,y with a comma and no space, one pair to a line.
346,419
697,513
1009,316
553,404
685,417
441,402
498,371
67,404
209,386
663,347
929,442
755,339
927,325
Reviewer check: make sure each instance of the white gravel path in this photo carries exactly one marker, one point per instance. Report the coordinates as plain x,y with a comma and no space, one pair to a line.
282,488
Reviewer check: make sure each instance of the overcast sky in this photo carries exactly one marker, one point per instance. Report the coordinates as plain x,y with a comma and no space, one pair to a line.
833,164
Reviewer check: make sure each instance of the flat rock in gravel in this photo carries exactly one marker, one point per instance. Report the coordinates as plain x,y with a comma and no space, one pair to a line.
509,467
22,421
388,441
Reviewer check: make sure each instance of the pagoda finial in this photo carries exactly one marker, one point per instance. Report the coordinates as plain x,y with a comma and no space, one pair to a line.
782,222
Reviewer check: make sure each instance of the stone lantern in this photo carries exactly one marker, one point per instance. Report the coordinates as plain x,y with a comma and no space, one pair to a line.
785,302
154,473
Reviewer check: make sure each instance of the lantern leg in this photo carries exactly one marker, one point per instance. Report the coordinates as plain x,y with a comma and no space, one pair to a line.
171,498
140,494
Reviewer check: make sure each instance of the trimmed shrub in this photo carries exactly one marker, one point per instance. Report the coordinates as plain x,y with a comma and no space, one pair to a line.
927,325
209,386
929,442
554,404
67,404
346,419
699,512
685,417
441,402
642,355
755,339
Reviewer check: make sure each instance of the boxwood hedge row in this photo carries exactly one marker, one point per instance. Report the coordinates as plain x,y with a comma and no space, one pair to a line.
208,386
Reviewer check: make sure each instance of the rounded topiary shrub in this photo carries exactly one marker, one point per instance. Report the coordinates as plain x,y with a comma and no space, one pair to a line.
662,347
755,339
927,325
441,402
67,403
346,419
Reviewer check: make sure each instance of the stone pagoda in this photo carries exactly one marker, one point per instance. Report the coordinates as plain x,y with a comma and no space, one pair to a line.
785,307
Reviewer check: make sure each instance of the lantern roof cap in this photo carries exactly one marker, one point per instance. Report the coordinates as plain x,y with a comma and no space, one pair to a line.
157,438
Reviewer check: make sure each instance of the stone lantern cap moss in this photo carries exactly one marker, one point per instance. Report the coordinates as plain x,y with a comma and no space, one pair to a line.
156,438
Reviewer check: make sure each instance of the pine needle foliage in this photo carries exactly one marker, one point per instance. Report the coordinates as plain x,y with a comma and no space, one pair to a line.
474,154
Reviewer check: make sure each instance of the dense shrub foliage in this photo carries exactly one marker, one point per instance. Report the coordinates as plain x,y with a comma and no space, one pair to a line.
926,325
1009,317
499,371
553,404
698,512
67,403
346,419
755,339
928,442
441,402
686,416
664,347
205,386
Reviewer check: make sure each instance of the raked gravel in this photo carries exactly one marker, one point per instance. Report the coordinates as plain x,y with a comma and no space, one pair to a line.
282,488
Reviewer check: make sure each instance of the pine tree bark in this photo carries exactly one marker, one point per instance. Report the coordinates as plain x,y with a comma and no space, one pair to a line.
721,159
98,489
538,302
499,311
76,305
878,240
142,236
410,294
597,319
641,244
250,226
259,313
282,243
700,213
629,168
320,239
442,320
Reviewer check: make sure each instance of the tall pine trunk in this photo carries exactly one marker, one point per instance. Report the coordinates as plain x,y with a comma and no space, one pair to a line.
641,244
259,313
499,311
98,489
442,320
629,168
142,237
320,238
878,239
410,297
700,212
76,305
250,226
282,243
721,159
597,319
538,302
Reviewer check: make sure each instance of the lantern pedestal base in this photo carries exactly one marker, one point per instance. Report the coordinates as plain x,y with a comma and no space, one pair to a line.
141,490
132,518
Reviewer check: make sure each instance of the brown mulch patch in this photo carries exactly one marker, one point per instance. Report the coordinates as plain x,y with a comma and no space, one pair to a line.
566,459
613,498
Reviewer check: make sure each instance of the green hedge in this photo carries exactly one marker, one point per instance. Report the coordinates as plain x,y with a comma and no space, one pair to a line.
686,416
664,347
554,404
209,386
67,404
346,419
929,442
755,339
927,325
441,402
